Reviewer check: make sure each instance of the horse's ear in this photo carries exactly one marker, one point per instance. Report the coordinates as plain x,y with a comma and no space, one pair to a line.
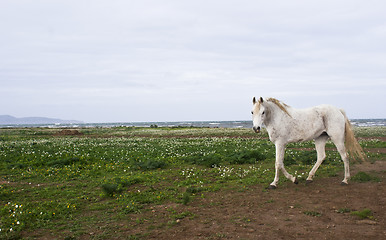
261,100
254,100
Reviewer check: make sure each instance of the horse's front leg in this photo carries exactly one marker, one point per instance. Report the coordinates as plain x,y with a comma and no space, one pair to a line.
279,165
280,149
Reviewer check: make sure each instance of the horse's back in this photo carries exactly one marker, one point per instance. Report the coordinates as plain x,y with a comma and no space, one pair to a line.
320,119
322,113
331,113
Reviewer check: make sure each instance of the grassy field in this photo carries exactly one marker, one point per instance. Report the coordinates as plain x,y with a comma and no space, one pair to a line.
69,184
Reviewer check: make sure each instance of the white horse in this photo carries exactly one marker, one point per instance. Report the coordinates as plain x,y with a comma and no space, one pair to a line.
285,124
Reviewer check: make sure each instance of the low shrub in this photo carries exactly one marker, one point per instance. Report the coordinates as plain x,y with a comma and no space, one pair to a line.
118,184
246,157
312,213
193,190
216,160
17,166
343,210
304,156
129,181
186,198
149,165
64,162
110,189
211,160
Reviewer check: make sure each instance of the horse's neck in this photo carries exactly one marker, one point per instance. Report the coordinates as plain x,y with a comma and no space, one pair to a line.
279,117
279,121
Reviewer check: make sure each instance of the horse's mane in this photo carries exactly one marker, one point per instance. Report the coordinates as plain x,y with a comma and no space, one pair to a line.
281,105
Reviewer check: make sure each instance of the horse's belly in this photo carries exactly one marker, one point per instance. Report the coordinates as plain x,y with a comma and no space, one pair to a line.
307,132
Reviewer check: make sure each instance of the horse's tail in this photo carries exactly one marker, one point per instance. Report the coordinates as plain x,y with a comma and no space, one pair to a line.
353,148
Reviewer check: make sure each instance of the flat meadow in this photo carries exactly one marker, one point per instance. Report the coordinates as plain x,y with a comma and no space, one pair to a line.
104,183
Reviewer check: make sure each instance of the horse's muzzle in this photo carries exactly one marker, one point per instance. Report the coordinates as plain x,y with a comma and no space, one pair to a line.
256,129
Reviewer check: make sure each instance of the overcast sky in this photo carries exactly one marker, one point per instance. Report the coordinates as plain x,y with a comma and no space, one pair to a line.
127,60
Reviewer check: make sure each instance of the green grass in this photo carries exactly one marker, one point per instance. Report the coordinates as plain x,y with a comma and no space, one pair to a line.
54,183
365,177
363,214
312,213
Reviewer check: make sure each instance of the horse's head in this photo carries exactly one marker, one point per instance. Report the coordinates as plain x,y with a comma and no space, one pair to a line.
259,113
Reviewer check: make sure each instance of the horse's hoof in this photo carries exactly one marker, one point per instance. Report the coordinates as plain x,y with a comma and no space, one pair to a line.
296,180
343,184
271,187
308,181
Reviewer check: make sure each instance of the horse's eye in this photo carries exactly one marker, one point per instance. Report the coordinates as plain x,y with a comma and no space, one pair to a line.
252,112
263,113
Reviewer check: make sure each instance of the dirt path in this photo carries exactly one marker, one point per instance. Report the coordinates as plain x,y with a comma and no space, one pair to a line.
315,211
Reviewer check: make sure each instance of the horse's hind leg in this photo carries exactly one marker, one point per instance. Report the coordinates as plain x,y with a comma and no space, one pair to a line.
339,143
320,144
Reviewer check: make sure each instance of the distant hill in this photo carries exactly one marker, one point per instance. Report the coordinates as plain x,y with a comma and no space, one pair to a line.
7,119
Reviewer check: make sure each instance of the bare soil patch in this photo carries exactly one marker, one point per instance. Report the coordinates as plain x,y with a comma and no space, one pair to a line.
315,211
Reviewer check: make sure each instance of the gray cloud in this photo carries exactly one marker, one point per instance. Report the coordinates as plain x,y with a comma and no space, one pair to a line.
188,60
